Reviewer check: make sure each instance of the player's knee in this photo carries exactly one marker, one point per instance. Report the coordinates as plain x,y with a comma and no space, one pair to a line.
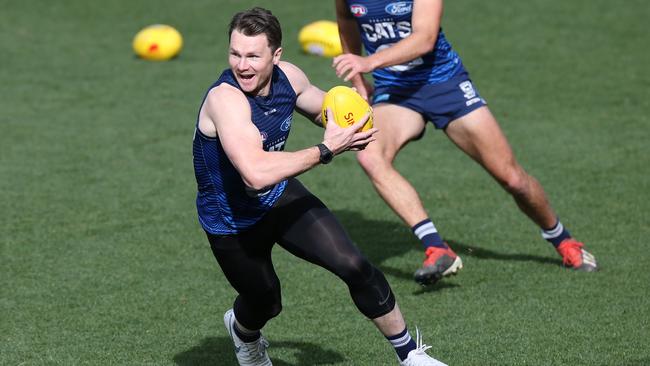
366,160
356,270
372,162
515,181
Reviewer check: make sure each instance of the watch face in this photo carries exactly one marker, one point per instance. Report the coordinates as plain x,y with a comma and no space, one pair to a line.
325,154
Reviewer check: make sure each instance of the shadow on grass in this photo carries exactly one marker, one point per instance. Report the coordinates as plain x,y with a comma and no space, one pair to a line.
219,351
378,240
478,252
382,240
437,287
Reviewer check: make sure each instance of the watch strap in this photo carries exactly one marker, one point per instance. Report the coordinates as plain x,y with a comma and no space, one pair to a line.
326,154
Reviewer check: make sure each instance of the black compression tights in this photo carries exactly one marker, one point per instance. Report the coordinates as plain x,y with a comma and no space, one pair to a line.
301,224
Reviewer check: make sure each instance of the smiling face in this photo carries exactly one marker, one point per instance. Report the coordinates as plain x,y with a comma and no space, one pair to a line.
251,60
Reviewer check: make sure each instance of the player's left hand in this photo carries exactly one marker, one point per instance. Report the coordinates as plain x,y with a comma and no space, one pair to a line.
349,65
339,139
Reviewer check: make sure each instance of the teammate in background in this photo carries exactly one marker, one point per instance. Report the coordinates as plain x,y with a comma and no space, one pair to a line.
248,198
418,77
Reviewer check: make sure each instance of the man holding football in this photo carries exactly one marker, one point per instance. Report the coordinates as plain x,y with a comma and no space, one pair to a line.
418,77
249,199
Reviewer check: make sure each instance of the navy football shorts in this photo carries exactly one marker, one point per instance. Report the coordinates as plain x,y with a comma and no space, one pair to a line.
438,103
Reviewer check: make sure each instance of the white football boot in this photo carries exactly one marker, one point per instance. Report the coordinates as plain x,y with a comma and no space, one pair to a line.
418,356
248,354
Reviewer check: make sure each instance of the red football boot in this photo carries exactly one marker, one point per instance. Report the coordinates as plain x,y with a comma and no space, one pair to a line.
574,256
439,263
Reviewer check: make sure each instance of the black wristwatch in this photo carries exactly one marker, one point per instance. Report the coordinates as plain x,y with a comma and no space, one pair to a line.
326,154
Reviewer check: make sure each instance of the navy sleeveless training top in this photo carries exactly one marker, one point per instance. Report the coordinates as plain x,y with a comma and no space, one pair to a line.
224,203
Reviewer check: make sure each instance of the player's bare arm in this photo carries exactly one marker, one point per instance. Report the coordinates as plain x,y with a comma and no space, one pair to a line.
309,96
351,44
425,24
348,30
227,109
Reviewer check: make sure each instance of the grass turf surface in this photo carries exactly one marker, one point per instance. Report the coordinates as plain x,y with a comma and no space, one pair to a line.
103,262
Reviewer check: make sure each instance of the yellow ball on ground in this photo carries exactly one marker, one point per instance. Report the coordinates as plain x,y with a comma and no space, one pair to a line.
347,107
320,38
158,42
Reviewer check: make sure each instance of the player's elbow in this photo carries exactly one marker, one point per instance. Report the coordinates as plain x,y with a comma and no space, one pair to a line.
255,181
426,43
427,46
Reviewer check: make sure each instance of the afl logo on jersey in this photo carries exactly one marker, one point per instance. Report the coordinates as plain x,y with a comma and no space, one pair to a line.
286,124
358,10
399,8
264,135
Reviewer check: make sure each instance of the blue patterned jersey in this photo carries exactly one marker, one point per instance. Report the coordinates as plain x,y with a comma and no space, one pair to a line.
384,23
225,204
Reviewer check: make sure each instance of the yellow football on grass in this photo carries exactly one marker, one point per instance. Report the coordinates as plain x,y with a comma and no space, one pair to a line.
158,42
320,38
347,107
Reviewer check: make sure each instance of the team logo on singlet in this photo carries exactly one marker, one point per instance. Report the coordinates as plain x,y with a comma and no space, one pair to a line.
358,10
264,135
399,8
286,124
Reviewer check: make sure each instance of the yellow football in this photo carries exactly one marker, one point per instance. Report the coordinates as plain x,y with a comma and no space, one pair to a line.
347,107
157,42
320,38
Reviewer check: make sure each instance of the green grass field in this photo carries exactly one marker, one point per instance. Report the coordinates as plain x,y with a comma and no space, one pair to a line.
102,260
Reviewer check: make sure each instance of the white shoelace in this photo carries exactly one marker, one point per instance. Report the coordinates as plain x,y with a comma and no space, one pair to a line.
421,347
255,352
418,356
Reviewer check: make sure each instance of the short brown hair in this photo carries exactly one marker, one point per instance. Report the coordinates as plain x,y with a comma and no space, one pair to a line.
257,21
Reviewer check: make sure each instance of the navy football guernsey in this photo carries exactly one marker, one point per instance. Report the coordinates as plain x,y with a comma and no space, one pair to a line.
225,204
383,23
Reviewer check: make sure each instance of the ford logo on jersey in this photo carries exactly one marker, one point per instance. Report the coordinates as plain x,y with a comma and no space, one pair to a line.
399,8
358,10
